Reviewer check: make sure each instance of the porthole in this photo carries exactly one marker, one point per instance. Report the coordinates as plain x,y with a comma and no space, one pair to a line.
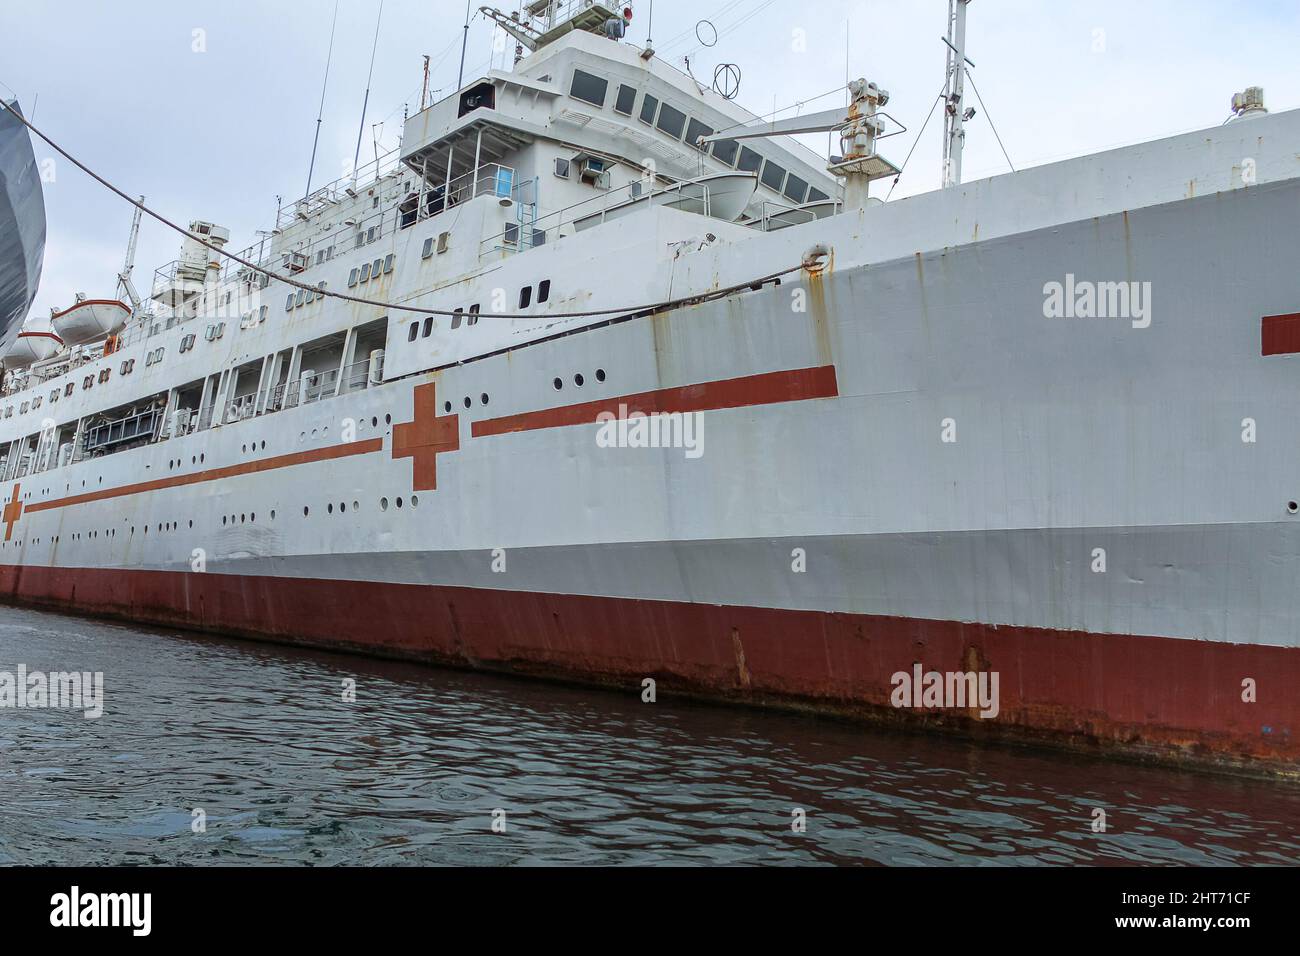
398,503
446,407
600,375
415,501
578,380
272,514
558,384
383,504
329,509
374,421
356,506
468,402
1293,507
483,398
306,511
388,419
343,507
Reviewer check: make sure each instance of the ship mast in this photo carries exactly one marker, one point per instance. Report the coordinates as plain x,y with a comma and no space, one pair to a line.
124,283
957,114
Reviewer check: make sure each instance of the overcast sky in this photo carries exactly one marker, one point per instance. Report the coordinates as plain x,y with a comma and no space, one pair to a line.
215,127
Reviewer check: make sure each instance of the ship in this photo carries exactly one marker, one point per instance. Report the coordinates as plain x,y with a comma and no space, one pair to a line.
601,378
22,229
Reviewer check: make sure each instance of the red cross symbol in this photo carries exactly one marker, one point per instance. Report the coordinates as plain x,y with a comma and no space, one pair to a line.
13,511
424,439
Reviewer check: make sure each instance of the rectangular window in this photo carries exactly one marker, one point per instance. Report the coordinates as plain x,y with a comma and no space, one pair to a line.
773,176
588,88
288,303
388,263
648,107
796,190
473,314
694,130
361,239
456,318
725,150
750,161
426,252
525,296
816,195
428,327
300,298
543,291
365,272
413,331
626,100
671,121
561,167
376,267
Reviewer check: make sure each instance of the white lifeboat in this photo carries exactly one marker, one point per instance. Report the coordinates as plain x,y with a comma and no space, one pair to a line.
30,348
90,320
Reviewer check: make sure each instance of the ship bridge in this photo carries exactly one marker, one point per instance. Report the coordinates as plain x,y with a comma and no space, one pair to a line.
587,116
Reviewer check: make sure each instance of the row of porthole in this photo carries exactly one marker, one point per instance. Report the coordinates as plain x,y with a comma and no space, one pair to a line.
579,379
469,402
248,518
356,506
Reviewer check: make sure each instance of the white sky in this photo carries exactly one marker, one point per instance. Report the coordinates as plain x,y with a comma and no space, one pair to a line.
217,135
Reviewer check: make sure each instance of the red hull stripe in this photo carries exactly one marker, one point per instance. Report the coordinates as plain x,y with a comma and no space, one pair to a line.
1281,334
1179,700
770,388
330,453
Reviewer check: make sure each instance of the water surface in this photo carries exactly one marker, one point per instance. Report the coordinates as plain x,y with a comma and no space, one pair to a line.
261,740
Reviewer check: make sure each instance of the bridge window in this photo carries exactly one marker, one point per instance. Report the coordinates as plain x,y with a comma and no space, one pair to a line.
750,161
796,190
588,88
725,150
626,100
816,195
649,105
482,96
671,121
694,130
773,176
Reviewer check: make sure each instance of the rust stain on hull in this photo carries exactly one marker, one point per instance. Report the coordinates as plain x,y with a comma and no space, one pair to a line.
1155,699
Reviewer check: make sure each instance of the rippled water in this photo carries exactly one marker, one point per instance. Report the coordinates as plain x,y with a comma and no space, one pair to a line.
262,741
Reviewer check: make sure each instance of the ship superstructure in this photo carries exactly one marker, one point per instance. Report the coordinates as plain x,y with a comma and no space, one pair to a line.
903,457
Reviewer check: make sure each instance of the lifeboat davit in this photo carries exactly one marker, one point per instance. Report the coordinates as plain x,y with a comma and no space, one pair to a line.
90,320
30,348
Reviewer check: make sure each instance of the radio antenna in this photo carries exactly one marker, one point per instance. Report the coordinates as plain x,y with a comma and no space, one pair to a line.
356,157
324,86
